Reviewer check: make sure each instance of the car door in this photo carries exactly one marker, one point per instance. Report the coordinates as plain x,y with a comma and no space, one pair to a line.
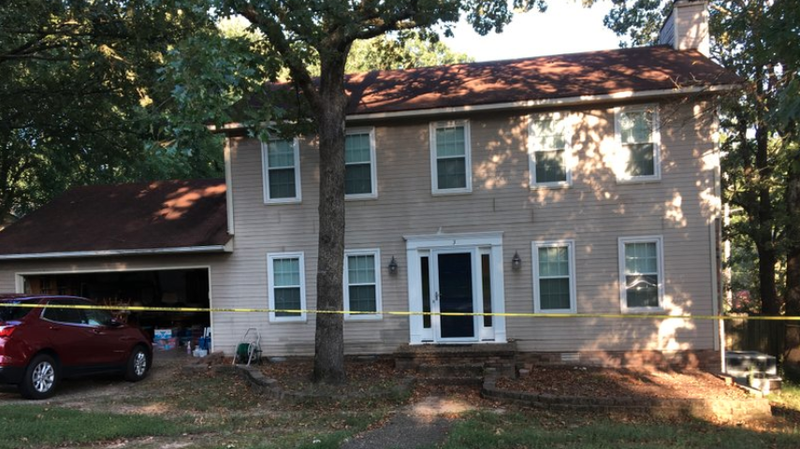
67,333
111,341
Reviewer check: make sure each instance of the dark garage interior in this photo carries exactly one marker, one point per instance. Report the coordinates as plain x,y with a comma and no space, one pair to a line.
152,288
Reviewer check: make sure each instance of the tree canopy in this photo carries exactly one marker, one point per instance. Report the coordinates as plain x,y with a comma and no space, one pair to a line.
78,87
108,92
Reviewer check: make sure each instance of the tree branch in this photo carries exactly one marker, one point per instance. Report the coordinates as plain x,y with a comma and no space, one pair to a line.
382,25
274,33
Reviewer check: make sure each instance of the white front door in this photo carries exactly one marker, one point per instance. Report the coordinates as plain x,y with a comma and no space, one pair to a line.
452,280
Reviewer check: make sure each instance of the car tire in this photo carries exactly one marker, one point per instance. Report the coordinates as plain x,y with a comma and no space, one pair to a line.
41,378
138,365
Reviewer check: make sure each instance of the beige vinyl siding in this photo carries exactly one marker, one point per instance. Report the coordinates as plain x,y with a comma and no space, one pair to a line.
595,211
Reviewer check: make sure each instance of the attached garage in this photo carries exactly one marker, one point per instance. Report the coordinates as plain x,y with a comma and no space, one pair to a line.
149,244
169,287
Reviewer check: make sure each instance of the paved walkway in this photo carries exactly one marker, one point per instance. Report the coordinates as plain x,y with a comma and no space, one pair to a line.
421,425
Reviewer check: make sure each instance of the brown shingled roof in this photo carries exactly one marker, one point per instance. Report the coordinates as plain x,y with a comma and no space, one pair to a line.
154,215
546,77
639,69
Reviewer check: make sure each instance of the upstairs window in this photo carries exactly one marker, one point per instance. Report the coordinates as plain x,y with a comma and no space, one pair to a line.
451,170
638,139
359,159
548,150
641,274
362,282
281,159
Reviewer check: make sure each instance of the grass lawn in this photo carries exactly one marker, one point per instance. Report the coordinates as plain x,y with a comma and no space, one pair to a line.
186,410
23,426
537,429
221,411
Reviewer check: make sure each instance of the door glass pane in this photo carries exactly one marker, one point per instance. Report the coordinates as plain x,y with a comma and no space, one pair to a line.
486,277
455,295
426,291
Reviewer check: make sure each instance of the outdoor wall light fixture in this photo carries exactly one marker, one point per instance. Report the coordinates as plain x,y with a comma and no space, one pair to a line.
516,262
393,266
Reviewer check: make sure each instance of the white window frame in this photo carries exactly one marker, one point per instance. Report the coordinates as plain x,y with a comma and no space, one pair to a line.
376,253
373,165
265,173
623,292
622,176
435,190
271,287
533,148
537,303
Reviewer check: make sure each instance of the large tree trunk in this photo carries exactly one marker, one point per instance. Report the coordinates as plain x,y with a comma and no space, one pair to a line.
792,301
767,255
329,339
770,305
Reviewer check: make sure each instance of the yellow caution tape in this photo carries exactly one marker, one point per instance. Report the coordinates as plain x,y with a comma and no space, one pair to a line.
407,313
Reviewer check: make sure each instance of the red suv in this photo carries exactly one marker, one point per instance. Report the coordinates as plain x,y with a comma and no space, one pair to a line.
41,345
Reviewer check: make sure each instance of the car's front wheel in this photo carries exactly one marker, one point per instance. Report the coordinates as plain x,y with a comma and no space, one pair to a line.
41,378
138,365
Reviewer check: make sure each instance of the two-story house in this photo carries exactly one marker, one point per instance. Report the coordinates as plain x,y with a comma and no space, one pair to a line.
572,184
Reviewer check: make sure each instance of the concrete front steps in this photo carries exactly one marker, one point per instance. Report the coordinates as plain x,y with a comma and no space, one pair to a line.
466,364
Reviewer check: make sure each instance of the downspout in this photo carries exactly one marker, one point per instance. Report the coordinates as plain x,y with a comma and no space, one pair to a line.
228,185
717,234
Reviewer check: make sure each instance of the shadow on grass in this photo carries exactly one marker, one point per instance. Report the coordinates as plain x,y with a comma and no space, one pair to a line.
537,429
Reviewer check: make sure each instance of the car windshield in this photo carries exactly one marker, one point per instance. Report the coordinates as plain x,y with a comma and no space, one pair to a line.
13,313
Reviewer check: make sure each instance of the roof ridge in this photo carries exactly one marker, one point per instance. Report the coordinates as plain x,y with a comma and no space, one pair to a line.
508,61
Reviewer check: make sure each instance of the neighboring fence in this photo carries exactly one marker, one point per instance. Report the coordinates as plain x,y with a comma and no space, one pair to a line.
755,335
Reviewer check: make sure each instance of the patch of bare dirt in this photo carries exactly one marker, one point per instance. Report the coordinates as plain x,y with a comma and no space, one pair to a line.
608,382
296,375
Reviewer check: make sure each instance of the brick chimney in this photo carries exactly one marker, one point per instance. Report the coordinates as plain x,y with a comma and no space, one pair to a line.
686,28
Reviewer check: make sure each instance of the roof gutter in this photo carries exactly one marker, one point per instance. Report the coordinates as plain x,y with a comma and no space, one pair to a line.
547,102
121,252
527,104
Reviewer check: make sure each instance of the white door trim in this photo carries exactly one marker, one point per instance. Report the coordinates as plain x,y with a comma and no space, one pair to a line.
418,246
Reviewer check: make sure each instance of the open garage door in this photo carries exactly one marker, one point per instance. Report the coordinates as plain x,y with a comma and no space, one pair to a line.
150,288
